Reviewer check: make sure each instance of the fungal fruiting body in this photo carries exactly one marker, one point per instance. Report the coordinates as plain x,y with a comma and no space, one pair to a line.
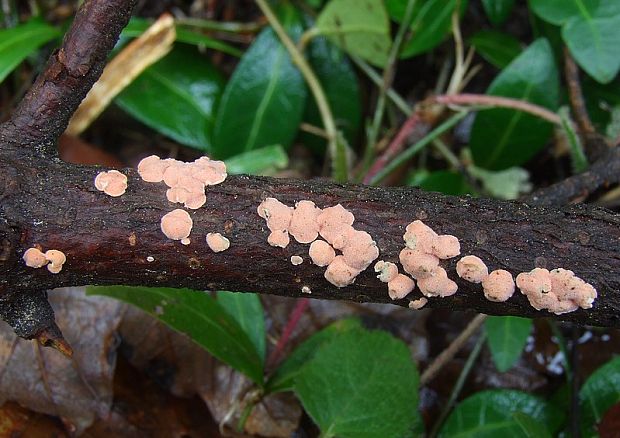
186,181
400,286
321,253
387,271
217,242
112,183
498,286
418,303
471,268
559,291
177,225
296,260
305,222
306,290
437,284
53,258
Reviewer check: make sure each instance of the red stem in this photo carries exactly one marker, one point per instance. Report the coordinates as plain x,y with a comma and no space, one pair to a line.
300,307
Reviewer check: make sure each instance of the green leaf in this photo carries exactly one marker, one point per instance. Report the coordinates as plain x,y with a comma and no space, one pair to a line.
490,414
503,138
530,427
496,47
599,393
359,27
263,161
200,317
247,310
560,11
137,26
341,87
361,384
264,99
592,38
431,24
443,181
579,161
498,10
503,184
599,99
506,337
176,97
19,42
283,378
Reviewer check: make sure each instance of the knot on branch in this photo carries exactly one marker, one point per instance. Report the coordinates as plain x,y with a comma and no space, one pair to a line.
28,313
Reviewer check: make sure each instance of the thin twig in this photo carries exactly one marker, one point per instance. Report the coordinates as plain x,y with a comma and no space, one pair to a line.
577,102
221,26
448,354
338,154
498,102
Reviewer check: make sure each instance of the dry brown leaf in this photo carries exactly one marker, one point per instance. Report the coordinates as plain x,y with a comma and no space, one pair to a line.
78,389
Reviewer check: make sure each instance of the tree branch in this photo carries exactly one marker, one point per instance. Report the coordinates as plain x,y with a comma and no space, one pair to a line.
69,74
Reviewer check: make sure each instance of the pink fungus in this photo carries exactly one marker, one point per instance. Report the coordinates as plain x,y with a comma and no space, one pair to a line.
173,173
419,236
472,269
194,201
418,304
400,287
296,260
217,242
151,169
56,259
360,250
339,273
498,286
387,271
209,172
438,284
446,246
277,214
335,224
304,226
558,291
177,194
279,238
417,263
34,258
112,183
177,225
321,253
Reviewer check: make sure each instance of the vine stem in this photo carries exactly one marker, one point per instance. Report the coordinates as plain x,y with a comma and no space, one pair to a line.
300,307
498,102
337,153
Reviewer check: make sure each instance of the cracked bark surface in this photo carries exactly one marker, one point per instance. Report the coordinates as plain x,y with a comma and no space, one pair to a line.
46,202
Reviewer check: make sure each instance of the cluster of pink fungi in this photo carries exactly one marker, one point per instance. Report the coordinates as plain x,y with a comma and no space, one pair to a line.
558,291
53,259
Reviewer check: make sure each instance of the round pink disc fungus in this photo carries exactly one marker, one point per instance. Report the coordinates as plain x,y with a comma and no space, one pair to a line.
34,258
419,236
304,226
446,246
217,242
279,238
296,260
388,271
360,250
400,287
112,183
339,273
417,263
498,286
56,260
471,268
418,303
437,284
321,253
177,225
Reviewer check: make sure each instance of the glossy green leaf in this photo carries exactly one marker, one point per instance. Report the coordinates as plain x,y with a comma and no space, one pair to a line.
263,161
19,42
498,10
361,384
264,99
496,47
560,11
431,24
530,427
592,38
506,337
509,183
247,310
599,99
283,379
599,393
200,317
502,138
176,97
442,181
489,414
341,87
137,26
359,27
